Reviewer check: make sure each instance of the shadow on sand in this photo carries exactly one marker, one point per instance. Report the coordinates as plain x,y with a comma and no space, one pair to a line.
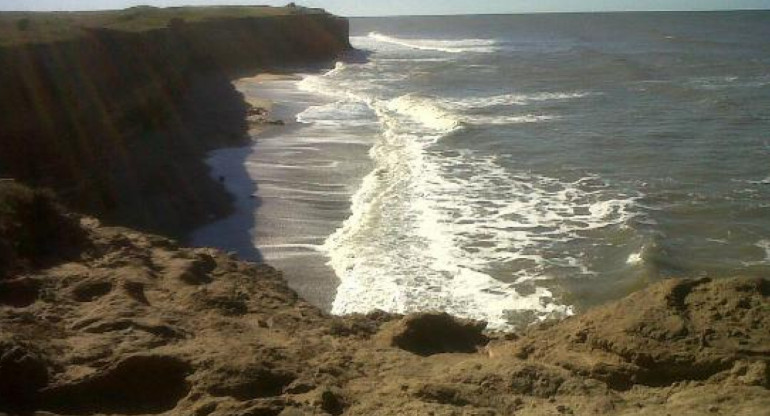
235,233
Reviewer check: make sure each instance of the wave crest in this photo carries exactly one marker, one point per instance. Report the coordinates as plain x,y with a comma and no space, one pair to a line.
515,99
448,46
425,111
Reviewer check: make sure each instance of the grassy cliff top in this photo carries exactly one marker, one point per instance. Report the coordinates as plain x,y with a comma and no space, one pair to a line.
42,27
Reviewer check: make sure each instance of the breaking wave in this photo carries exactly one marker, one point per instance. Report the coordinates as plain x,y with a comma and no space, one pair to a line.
435,230
448,46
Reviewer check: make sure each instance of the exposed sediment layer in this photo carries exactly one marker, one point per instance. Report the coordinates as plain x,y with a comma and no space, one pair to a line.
116,121
138,325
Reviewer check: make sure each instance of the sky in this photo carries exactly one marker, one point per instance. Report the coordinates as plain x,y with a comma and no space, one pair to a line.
411,7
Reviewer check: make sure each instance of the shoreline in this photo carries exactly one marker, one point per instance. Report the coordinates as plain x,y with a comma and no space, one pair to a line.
226,166
264,191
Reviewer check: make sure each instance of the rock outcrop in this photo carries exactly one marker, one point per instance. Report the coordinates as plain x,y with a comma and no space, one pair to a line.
35,231
135,324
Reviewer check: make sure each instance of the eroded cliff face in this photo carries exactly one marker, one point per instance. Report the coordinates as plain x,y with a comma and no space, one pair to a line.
117,122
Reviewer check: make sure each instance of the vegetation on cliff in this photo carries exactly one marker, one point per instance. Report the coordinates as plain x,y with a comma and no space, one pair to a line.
34,27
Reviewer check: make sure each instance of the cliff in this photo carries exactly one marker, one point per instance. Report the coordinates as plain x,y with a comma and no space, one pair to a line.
132,323
114,111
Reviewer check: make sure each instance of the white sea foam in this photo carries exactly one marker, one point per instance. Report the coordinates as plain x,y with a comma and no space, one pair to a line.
726,82
514,99
635,258
355,105
348,113
448,46
410,59
425,111
429,230
501,120
338,67
334,84
439,115
765,244
765,181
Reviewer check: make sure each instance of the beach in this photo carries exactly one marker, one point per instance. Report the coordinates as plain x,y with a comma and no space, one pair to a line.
292,186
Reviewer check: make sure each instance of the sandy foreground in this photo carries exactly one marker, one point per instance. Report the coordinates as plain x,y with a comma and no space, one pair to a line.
138,325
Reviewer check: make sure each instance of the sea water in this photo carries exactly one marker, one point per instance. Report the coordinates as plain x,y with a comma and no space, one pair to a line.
515,168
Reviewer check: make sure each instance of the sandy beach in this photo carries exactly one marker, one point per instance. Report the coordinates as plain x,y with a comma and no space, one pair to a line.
290,186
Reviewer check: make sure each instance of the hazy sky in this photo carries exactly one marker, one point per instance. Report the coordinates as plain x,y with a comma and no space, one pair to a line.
401,7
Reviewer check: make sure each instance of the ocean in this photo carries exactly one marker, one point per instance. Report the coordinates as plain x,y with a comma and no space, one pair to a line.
513,168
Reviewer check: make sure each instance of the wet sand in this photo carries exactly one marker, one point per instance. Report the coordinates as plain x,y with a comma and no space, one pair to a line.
292,188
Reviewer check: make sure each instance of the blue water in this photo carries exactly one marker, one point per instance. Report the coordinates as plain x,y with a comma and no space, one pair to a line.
522,167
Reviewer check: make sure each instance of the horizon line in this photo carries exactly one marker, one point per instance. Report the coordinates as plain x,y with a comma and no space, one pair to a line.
420,15
564,12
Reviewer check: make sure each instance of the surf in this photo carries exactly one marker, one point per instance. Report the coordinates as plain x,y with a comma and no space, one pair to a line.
437,45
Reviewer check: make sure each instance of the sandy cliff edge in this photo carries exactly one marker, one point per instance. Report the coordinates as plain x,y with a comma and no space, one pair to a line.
136,324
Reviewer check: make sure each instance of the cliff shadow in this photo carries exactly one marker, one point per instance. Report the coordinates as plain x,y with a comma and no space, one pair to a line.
219,110
234,232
